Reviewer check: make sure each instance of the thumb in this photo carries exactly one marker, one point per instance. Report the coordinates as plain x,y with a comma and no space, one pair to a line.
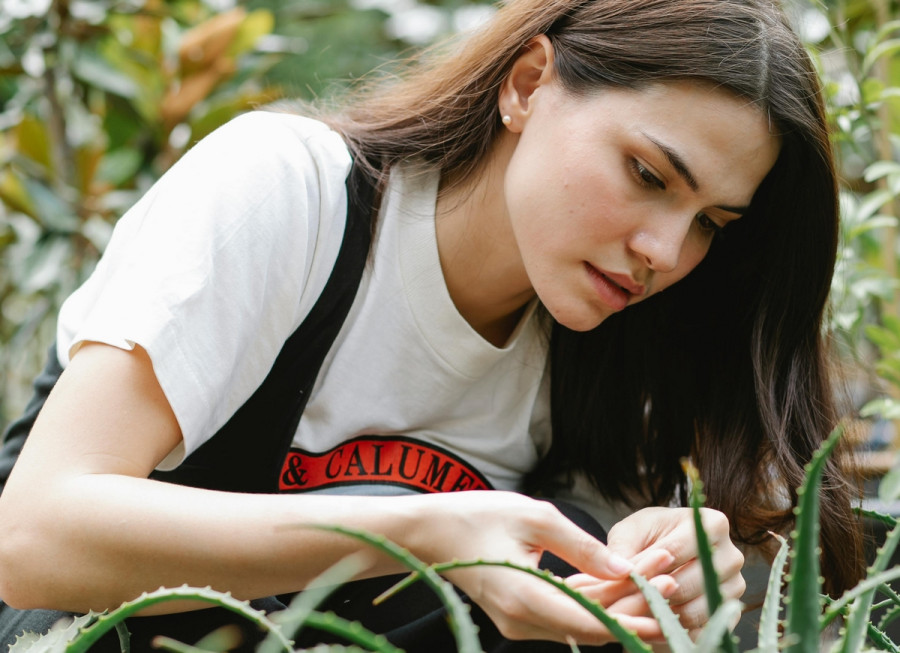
583,551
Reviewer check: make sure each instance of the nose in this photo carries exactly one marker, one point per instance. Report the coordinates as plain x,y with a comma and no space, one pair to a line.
660,241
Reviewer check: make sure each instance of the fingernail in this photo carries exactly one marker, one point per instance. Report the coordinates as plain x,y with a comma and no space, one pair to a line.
619,565
669,590
665,561
666,587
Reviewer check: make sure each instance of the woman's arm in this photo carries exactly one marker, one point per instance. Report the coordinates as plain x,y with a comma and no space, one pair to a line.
84,528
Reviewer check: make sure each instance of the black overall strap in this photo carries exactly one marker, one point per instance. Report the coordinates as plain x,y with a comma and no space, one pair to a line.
246,454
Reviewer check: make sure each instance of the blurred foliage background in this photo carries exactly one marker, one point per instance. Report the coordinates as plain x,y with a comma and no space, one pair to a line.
99,97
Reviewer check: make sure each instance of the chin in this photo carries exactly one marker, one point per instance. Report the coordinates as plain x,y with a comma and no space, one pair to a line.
579,320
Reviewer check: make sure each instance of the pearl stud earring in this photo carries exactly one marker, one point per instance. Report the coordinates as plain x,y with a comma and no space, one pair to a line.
507,120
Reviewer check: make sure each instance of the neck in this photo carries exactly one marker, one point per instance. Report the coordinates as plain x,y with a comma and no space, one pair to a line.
479,256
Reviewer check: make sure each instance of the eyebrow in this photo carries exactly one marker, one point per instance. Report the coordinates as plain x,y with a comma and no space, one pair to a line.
684,172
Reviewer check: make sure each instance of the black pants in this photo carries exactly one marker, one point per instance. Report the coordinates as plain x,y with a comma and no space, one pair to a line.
413,620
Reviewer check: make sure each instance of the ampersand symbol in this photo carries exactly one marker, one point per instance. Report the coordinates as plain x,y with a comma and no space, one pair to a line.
293,473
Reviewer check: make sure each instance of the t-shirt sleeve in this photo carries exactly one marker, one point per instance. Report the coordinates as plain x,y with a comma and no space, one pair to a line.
218,264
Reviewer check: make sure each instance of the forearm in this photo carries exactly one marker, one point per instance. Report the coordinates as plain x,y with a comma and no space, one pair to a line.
93,541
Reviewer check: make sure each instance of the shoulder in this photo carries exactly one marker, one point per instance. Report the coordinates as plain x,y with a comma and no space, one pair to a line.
266,144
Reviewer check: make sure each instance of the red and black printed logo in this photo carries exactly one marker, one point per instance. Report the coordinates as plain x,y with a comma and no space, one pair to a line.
389,460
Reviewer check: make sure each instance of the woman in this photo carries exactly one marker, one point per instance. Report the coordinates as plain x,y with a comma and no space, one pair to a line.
550,177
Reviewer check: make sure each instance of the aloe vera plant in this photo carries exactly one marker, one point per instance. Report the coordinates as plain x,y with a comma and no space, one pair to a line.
794,592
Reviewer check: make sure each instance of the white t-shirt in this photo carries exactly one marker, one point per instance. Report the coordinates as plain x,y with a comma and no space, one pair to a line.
221,261
224,257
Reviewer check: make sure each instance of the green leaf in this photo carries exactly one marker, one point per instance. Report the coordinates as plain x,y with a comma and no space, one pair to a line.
53,212
881,169
872,202
103,623
887,28
57,639
704,550
464,631
717,630
854,632
768,618
885,48
352,631
629,640
872,582
45,265
94,69
875,222
303,605
804,605
164,643
887,520
676,636
875,633
256,24
889,617
891,323
120,166
885,338
889,487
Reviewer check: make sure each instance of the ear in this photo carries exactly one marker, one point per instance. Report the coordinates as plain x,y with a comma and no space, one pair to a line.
533,69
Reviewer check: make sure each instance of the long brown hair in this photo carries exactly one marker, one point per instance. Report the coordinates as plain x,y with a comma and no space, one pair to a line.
728,366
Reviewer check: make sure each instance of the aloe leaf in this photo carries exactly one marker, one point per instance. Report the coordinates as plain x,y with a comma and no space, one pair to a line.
892,597
881,639
877,516
804,586
704,550
174,646
398,587
124,637
888,617
332,648
58,639
90,634
464,630
768,618
876,633
352,631
627,638
293,618
849,596
858,618
717,628
676,635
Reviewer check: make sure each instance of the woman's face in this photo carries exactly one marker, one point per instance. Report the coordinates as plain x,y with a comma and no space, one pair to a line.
616,196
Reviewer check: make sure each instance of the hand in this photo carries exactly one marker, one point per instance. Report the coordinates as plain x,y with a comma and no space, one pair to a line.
506,526
648,531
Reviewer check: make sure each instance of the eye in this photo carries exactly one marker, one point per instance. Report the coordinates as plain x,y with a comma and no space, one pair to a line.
707,225
644,177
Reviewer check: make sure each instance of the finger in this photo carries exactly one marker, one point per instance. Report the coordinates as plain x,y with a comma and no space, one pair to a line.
606,592
671,529
653,562
579,548
695,613
648,565
626,597
639,530
535,610
691,583
682,541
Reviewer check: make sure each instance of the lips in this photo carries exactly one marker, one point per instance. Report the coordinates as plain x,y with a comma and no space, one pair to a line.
614,290
624,282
